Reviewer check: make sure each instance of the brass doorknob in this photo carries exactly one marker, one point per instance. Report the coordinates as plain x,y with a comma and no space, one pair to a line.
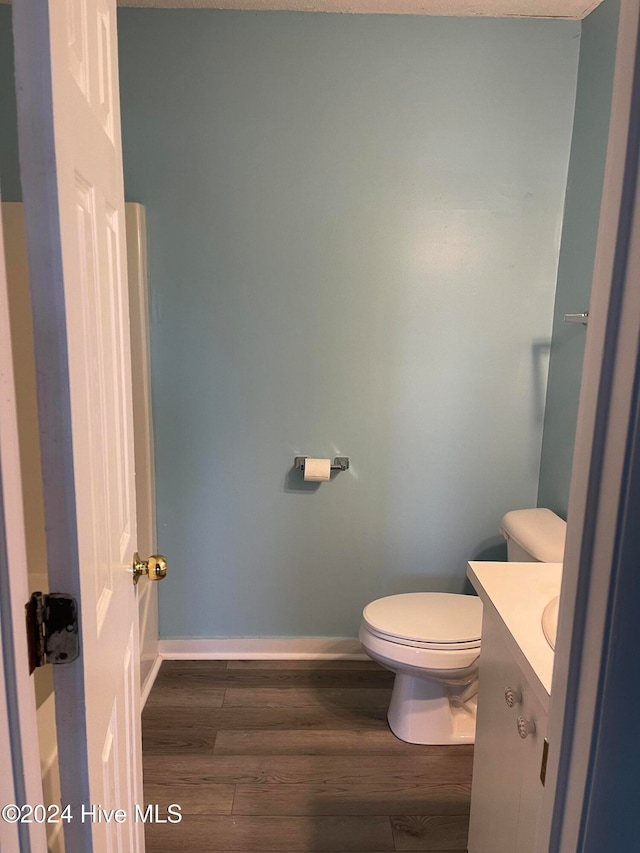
155,567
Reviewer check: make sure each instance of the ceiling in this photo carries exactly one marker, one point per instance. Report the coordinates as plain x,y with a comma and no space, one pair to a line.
488,8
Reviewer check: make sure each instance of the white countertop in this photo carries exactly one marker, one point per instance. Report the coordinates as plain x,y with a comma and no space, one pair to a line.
519,592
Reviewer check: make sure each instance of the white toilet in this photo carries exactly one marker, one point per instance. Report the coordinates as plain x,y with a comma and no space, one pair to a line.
431,640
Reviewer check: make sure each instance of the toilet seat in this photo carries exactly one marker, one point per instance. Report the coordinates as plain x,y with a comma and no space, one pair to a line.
426,620
421,644
446,662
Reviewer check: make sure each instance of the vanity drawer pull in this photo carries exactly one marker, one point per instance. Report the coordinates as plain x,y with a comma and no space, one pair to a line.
525,727
512,697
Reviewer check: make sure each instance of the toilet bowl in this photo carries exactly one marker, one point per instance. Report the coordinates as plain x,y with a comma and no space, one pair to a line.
431,641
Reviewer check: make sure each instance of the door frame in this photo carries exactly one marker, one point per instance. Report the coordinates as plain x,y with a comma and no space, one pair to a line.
18,721
599,499
9,838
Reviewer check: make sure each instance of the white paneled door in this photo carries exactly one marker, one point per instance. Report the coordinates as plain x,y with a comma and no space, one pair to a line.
71,163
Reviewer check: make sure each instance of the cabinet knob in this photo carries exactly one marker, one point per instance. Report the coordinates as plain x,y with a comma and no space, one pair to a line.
512,697
525,727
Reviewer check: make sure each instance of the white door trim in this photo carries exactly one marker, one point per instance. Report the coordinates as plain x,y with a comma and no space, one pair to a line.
143,438
17,697
262,648
604,417
9,838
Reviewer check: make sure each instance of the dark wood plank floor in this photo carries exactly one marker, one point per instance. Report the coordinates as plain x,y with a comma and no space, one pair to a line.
294,756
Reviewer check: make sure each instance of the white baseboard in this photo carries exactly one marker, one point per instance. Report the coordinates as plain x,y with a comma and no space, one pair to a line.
149,681
262,648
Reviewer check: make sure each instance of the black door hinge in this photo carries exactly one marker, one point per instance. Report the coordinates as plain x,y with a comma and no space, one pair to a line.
52,629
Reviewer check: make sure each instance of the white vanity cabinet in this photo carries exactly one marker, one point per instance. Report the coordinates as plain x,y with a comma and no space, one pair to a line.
506,790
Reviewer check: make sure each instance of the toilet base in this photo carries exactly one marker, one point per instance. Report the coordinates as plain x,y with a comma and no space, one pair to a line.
420,712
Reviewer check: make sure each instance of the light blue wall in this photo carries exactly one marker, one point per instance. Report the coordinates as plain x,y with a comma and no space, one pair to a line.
580,229
353,232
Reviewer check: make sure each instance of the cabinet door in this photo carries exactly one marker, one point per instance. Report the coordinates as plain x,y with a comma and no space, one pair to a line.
531,757
506,792
497,763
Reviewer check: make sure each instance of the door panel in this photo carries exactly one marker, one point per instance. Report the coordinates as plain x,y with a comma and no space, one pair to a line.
74,211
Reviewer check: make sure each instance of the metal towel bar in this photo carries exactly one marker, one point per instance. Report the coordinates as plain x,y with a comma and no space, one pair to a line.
582,317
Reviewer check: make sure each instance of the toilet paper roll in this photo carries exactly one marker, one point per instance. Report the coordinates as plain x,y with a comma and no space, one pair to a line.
317,470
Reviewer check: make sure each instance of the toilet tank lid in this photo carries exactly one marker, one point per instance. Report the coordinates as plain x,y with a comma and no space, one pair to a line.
539,532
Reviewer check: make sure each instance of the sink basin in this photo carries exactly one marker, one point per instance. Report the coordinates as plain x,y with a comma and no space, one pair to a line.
550,621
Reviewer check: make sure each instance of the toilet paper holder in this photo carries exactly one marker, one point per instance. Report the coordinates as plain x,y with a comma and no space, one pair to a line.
340,463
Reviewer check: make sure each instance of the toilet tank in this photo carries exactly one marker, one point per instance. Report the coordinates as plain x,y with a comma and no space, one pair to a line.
534,536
